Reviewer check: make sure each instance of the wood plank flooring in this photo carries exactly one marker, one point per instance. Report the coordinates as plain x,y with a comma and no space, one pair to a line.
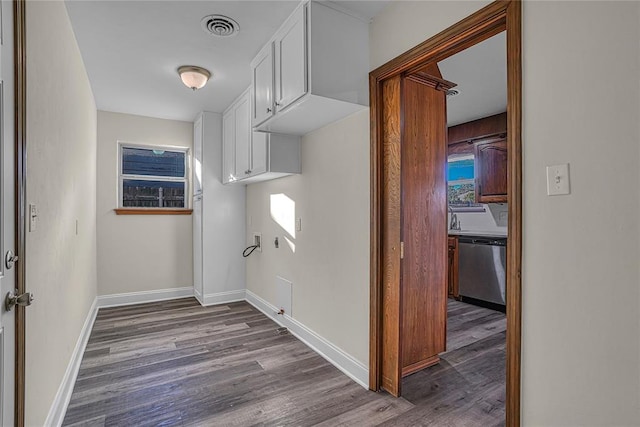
467,387
176,363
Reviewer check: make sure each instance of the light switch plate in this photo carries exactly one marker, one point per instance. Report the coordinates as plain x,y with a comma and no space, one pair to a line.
33,217
558,180
298,224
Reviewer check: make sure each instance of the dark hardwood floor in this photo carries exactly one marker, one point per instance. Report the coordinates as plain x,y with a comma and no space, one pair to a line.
467,387
176,363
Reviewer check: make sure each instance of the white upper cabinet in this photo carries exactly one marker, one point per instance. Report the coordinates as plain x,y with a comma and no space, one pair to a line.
291,60
255,156
263,82
318,73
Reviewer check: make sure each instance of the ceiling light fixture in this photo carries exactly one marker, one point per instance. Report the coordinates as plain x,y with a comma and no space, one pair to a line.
194,77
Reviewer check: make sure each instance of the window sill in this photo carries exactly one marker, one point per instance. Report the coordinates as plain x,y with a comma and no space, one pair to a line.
152,211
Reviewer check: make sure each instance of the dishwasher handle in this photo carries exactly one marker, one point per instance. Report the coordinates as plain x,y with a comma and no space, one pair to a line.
483,241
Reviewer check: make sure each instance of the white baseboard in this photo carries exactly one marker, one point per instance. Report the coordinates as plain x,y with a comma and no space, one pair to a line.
334,355
63,396
198,295
116,300
223,297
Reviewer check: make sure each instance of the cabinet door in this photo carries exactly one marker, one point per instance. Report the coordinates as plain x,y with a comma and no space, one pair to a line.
197,156
228,147
259,153
263,88
291,60
197,246
242,137
491,172
453,267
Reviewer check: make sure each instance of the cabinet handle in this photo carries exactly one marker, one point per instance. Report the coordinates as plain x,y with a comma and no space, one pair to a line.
269,110
247,172
278,104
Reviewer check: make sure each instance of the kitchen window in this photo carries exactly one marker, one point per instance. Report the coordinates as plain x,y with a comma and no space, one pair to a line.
461,184
153,177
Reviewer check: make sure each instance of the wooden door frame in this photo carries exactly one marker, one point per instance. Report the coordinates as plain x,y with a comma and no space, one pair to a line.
20,82
487,22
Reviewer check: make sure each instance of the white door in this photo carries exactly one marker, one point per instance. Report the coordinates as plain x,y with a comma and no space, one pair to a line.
263,88
228,147
243,137
7,215
291,60
197,247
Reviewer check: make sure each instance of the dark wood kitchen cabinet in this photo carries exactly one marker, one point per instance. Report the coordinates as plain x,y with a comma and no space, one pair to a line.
491,171
452,288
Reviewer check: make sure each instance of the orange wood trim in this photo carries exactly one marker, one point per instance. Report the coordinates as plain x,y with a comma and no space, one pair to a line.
431,81
391,227
152,211
375,252
408,370
514,191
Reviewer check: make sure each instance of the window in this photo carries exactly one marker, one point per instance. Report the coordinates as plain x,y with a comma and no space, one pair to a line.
461,185
153,177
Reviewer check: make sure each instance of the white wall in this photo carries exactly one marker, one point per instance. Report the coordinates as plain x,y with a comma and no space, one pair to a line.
580,272
61,169
139,253
330,266
581,326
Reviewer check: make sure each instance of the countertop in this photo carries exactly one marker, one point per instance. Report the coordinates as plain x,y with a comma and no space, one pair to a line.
479,233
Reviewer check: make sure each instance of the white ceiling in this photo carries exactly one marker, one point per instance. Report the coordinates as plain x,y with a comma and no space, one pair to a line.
481,75
131,50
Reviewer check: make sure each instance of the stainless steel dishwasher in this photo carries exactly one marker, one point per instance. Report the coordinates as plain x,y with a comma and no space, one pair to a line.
482,269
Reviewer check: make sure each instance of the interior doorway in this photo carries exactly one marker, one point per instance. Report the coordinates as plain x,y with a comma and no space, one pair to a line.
409,203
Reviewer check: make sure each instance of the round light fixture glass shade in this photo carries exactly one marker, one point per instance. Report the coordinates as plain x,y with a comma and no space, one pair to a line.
194,77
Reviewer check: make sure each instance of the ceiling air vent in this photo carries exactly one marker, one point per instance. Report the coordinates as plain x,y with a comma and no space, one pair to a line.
220,25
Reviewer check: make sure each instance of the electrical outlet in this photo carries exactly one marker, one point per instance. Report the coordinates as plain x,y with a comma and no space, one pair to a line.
257,240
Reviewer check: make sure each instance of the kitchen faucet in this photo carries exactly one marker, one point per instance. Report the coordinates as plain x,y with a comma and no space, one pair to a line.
454,224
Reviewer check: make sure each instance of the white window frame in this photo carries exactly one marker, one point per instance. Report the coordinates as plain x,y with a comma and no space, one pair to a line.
186,179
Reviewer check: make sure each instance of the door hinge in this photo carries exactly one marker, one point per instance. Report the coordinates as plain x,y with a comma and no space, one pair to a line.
401,250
